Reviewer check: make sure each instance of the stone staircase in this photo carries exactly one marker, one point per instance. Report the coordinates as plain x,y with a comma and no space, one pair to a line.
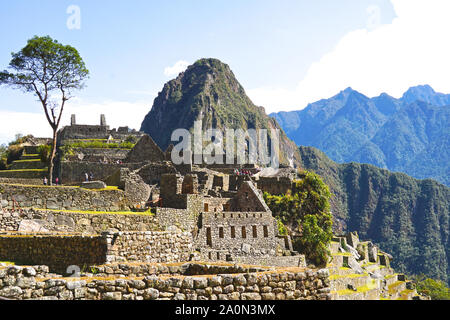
29,166
360,271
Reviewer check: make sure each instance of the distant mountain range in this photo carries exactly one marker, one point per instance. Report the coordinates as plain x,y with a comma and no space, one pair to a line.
407,217
410,134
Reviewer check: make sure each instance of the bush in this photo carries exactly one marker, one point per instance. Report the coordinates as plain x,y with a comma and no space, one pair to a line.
131,139
3,157
437,290
44,152
14,153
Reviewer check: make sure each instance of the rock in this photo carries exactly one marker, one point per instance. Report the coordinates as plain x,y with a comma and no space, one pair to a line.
373,252
29,271
93,185
32,226
352,287
151,294
63,220
246,248
112,296
11,292
250,296
354,265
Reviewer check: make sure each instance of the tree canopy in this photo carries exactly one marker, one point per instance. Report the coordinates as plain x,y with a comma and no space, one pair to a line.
50,70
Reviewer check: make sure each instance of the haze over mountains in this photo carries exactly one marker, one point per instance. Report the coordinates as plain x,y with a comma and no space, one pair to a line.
410,134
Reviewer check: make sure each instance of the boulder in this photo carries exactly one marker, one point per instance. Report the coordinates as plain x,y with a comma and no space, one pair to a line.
93,185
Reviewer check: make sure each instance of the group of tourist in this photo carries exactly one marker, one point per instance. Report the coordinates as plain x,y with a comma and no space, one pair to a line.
88,177
46,182
242,172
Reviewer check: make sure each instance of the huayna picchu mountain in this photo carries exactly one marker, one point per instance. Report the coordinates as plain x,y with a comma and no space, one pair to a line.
406,217
410,134
208,90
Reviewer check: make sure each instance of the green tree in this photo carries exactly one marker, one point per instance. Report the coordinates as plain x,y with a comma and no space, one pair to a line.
306,209
435,289
47,68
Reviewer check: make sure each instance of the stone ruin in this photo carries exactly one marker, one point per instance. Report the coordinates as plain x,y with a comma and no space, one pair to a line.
161,220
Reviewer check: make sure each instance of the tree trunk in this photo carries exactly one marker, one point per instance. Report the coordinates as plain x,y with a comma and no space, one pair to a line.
52,158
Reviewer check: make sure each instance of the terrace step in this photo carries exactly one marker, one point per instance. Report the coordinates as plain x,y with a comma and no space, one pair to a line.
24,173
344,282
27,164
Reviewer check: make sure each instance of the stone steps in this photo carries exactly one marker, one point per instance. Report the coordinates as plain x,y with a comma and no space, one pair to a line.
31,149
340,271
369,291
30,156
344,282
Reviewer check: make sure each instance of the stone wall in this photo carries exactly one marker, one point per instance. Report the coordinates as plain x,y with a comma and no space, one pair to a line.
145,150
97,154
57,252
149,246
151,173
275,185
240,233
21,283
36,182
73,172
87,223
62,198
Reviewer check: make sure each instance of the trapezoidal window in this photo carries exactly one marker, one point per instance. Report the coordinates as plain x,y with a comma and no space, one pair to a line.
221,232
255,232
266,232
244,233
206,207
233,232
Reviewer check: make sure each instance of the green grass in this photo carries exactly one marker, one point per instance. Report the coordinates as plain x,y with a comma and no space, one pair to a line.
25,170
346,254
27,160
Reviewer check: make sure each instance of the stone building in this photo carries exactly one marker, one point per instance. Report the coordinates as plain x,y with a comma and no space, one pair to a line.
102,131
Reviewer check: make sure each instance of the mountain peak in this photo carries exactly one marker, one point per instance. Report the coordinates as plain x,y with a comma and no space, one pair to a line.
208,91
427,94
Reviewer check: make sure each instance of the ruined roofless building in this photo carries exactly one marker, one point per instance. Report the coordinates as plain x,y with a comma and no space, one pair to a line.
85,131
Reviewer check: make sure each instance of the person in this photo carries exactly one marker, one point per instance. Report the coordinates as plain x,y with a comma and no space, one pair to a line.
45,181
56,180
86,176
91,177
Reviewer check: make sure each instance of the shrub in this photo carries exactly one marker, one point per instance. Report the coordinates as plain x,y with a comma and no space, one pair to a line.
131,139
435,289
14,153
44,152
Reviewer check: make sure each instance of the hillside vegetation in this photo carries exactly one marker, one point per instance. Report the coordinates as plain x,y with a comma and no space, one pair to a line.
406,217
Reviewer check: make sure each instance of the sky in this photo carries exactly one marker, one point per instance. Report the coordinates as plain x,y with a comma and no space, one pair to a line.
285,53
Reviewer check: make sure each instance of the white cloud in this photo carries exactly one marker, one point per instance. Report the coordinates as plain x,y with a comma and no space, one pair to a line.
117,113
178,67
411,50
